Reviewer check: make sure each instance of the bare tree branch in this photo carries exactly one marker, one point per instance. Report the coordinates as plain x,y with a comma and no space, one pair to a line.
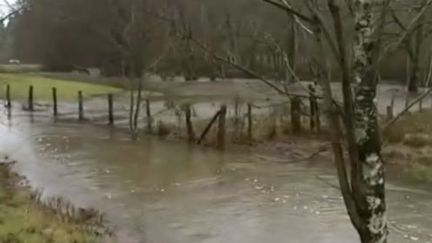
289,10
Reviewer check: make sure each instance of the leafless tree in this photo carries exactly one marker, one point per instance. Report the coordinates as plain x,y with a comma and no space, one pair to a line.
362,176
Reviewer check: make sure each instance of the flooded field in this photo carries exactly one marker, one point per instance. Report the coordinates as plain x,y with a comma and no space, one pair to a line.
155,191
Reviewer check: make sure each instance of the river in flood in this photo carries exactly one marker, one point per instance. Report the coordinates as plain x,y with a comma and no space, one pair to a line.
156,191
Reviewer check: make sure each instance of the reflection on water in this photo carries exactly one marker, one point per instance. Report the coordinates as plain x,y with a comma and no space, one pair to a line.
167,192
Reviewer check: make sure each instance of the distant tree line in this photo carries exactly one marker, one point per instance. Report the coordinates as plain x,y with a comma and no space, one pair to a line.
123,36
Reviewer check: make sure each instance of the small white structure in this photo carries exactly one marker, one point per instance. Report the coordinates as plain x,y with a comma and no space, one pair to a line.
14,61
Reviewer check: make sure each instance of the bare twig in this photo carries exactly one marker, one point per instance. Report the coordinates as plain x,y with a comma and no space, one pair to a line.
247,71
289,10
11,13
408,30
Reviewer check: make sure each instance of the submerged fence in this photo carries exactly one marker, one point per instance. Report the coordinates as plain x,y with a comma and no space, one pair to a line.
238,120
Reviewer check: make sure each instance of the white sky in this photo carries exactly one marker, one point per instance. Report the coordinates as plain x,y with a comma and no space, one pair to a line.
4,8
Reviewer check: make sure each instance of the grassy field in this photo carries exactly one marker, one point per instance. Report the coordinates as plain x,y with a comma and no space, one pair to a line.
23,220
67,90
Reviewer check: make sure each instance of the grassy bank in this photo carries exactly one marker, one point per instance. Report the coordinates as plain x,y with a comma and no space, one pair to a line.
409,143
24,219
67,90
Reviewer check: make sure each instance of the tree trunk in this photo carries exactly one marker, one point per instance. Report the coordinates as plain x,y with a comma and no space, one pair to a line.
149,116
368,175
292,50
137,107
296,115
414,67
413,79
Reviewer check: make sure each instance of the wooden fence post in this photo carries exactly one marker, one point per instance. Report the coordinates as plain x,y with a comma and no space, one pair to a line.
315,122
30,98
8,98
149,116
249,122
54,96
221,128
313,105
313,113
80,106
390,109
189,126
295,115
110,109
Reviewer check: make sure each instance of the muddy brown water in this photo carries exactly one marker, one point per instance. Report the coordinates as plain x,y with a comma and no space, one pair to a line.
155,191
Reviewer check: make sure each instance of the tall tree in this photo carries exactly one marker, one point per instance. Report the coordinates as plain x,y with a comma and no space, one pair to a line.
368,177
363,189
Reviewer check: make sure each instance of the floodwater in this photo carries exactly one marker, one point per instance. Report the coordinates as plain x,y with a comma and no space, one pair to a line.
156,191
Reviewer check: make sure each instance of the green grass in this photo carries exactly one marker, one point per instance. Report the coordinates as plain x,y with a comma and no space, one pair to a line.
23,220
66,90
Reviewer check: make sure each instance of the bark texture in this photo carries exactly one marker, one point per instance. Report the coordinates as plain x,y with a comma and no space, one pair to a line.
368,177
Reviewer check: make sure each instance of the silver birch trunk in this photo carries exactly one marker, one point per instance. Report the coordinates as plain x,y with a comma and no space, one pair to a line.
368,181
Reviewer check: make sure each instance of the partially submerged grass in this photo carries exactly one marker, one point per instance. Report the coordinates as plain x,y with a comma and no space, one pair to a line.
414,130
420,173
413,134
265,128
67,90
23,218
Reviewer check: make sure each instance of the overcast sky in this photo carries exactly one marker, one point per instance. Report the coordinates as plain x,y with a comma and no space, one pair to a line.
4,5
